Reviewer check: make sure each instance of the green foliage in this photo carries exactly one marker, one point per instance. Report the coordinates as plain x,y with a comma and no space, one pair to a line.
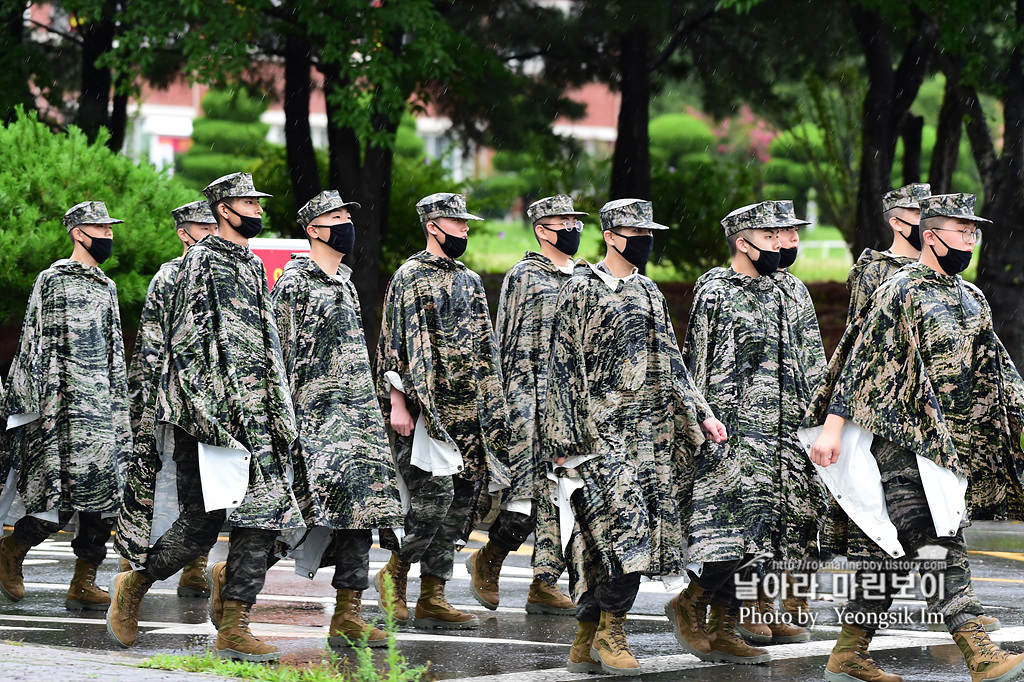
45,174
674,137
230,138
411,180
691,199
271,175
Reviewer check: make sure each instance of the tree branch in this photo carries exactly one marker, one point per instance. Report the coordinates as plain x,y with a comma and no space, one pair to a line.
682,29
982,147
50,29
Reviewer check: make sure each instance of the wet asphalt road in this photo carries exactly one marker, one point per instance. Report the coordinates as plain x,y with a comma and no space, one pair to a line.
510,646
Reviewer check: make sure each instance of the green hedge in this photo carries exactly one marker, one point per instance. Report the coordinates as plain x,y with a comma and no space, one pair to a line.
42,175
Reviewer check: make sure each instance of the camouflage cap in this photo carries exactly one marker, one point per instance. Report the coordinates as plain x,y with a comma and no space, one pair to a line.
325,202
906,196
195,212
88,213
232,185
785,214
444,205
950,206
560,204
629,213
761,216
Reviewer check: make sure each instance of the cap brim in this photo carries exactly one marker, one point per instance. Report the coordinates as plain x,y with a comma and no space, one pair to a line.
465,216
353,204
973,218
650,225
107,221
254,194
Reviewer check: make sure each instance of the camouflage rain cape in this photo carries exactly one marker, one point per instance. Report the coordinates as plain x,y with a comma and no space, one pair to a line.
344,475
746,346
526,310
69,370
805,335
870,270
223,378
437,336
618,392
922,368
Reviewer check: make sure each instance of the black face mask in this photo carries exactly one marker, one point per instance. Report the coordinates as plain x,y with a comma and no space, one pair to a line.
250,226
955,261
767,261
567,241
914,238
787,256
638,248
453,246
100,249
342,238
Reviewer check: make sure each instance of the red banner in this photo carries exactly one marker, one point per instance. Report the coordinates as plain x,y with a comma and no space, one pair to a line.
275,254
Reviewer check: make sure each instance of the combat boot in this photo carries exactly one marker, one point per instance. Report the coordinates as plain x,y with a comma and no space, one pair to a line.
12,557
782,632
991,624
193,582
216,580
84,593
799,608
984,659
234,639
126,593
726,644
580,660
751,623
484,566
434,611
850,659
611,648
550,599
347,625
123,565
398,571
687,612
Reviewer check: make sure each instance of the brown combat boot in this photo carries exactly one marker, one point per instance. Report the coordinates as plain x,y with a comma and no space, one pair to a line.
799,608
126,593
12,556
347,625
611,648
782,629
398,570
726,644
984,659
687,612
123,565
216,580
751,624
193,582
580,660
84,593
434,611
850,658
234,639
484,566
550,599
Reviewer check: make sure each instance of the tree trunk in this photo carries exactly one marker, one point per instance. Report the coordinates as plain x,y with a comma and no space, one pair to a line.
948,133
94,99
631,161
302,166
913,128
118,125
14,74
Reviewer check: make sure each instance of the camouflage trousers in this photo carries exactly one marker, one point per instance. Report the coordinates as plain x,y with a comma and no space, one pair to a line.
510,530
350,552
719,578
439,512
195,532
90,542
614,596
945,583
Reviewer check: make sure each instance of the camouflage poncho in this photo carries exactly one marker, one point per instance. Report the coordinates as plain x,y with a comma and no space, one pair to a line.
224,380
923,369
437,336
617,389
756,493
526,311
344,475
137,505
69,370
870,270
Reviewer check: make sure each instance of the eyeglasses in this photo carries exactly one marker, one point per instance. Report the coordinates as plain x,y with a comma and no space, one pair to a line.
971,235
567,225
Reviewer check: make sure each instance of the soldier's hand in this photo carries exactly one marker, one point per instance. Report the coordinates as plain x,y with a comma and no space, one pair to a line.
715,430
825,449
560,461
401,420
